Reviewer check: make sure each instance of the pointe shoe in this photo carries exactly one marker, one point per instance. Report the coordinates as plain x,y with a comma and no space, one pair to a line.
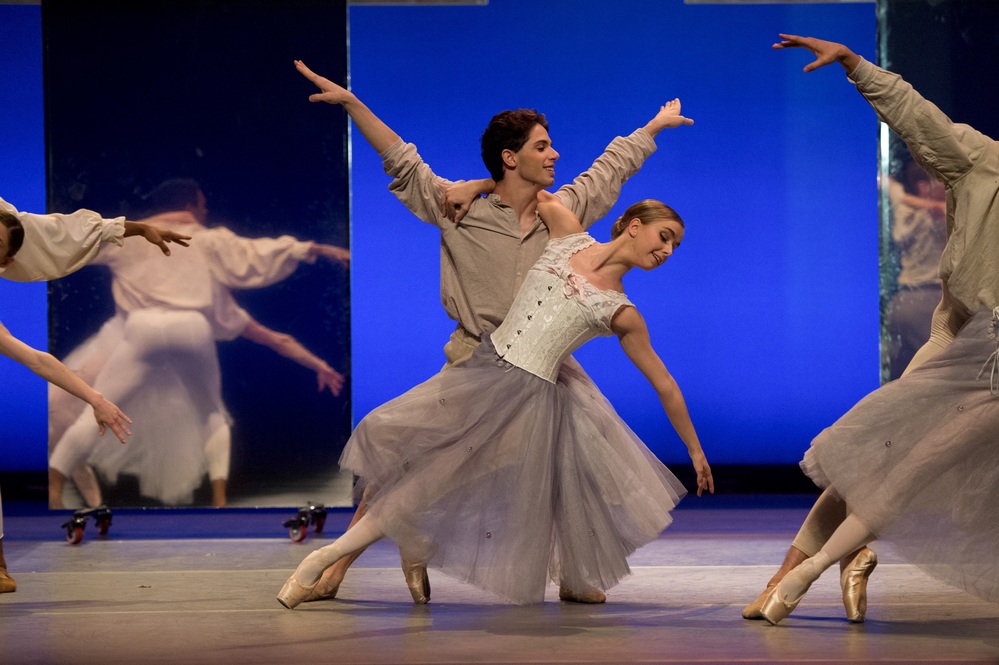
417,581
853,579
325,589
590,595
775,609
752,611
293,593
7,583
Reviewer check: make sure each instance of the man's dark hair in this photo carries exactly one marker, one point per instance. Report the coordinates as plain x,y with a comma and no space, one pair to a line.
170,195
508,130
16,233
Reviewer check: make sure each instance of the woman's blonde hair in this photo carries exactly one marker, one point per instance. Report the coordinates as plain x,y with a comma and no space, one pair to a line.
646,212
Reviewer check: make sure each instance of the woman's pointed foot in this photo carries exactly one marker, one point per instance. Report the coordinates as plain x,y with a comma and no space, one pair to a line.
752,611
294,593
418,581
853,578
589,595
792,588
326,587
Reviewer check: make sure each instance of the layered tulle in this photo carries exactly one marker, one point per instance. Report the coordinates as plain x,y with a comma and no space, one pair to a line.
918,461
504,480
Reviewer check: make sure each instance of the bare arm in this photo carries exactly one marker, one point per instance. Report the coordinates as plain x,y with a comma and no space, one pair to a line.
457,197
633,334
557,217
331,253
291,348
157,236
825,52
377,133
46,366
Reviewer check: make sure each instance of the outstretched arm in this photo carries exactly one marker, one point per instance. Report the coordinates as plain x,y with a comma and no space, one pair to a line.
825,52
155,235
291,348
669,116
377,133
331,253
46,366
630,328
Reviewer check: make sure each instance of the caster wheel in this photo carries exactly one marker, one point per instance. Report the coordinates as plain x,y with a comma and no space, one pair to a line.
74,535
103,526
319,524
297,533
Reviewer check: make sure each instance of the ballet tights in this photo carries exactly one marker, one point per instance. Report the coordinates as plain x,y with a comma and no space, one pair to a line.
357,537
850,536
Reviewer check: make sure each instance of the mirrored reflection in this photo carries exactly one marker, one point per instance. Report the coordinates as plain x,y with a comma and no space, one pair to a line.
946,50
231,356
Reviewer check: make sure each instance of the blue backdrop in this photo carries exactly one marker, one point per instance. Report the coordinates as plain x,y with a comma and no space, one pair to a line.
768,314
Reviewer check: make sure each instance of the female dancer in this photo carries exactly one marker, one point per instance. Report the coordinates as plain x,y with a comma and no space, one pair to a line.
498,475
914,461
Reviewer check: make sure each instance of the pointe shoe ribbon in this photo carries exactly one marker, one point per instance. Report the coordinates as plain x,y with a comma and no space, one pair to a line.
294,593
853,579
417,581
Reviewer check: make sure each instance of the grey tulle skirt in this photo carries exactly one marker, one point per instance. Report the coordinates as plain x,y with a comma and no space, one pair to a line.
504,480
918,462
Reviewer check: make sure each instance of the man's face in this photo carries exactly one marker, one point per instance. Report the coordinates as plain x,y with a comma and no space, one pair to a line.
535,161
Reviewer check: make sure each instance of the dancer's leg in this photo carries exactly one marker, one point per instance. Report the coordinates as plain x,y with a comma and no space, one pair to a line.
851,535
86,484
301,584
826,515
218,452
7,583
330,582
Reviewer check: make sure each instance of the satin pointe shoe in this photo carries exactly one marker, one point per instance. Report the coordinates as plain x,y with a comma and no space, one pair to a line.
325,589
7,583
590,595
752,611
293,593
853,579
417,581
775,609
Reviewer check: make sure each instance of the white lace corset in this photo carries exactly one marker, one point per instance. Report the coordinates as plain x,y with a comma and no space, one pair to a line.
555,312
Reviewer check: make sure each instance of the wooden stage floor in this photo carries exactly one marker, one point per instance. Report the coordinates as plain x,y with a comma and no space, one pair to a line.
199,587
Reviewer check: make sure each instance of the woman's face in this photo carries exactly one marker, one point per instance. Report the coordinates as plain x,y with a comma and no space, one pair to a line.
655,242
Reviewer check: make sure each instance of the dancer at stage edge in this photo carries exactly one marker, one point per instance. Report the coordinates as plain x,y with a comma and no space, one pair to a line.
915,461
484,260
499,474
56,245
38,247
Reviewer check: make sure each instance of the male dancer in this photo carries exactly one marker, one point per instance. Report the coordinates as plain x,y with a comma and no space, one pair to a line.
966,162
484,259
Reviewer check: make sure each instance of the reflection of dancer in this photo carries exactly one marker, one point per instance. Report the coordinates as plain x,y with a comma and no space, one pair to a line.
484,259
919,231
498,473
68,247
914,461
157,355
56,245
